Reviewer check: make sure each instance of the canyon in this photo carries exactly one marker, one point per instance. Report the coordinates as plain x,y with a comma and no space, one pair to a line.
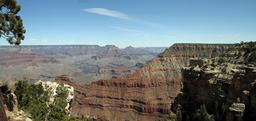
155,91
84,63
146,94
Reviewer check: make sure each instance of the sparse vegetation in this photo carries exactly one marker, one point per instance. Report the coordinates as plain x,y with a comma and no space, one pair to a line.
35,100
32,99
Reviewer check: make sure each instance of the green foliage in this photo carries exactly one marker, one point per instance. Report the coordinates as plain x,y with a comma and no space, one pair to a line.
35,100
57,108
11,25
32,99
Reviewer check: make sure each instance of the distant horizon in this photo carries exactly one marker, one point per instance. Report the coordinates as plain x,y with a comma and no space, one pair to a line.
85,45
125,46
141,23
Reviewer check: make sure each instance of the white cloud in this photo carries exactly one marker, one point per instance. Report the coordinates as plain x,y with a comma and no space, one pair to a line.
108,12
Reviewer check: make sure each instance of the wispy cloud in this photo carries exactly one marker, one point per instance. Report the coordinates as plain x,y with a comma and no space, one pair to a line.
108,12
120,15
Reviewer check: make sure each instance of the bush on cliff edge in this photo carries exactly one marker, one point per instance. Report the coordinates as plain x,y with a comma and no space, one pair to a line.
35,100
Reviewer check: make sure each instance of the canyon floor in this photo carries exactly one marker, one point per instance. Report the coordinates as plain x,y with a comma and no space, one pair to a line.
84,63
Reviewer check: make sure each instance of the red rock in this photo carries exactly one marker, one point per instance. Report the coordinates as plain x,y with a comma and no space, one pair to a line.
145,95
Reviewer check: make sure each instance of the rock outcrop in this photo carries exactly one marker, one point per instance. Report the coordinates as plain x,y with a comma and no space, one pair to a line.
8,104
2,109
145,95
219,89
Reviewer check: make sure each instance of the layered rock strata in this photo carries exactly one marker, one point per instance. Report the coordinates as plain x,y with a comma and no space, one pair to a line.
145,95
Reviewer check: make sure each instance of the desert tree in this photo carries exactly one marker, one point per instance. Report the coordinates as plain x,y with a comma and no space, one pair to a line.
11,24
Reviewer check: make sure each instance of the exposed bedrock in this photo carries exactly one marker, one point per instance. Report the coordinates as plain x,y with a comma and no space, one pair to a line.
145,95
217,91
2,109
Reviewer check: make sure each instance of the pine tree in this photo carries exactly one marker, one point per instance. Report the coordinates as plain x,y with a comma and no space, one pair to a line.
11,24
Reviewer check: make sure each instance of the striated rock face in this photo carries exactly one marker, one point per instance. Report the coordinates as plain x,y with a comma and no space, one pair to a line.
219,89
146,94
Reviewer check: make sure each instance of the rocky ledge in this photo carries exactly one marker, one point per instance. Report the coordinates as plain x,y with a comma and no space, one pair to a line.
219,89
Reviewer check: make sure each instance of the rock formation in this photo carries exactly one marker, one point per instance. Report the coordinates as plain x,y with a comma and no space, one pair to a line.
145,95
8,104
219,89
2,109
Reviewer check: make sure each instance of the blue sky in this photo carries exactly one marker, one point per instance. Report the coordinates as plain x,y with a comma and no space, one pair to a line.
137,23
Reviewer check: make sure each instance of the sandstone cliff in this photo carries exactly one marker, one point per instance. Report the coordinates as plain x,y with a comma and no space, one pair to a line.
146,94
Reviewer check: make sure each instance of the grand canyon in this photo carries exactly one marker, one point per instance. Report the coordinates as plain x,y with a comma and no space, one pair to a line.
145,95
157,90
84,63
113,60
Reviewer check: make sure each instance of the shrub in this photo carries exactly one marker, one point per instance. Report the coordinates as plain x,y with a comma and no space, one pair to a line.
35,100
